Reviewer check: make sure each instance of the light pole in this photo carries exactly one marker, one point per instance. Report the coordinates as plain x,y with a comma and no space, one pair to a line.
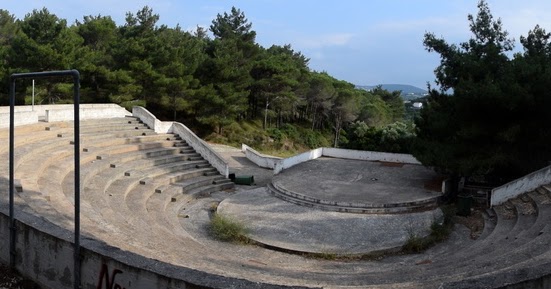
266,111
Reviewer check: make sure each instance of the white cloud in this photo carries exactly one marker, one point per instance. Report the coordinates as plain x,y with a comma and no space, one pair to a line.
451,26
320,41
316,55
521,21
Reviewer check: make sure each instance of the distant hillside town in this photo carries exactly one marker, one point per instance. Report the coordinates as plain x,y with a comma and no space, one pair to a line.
408,92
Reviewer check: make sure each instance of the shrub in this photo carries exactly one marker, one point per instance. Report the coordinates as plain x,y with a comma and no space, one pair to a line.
226,229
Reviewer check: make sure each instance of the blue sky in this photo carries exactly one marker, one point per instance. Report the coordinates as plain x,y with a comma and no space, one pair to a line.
365,42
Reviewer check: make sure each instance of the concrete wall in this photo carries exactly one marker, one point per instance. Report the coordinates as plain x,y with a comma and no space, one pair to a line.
45,255
86,111
370,156
185,133
259,159
519,186
202,148
151,121
295,160
20,118
26,114
338,153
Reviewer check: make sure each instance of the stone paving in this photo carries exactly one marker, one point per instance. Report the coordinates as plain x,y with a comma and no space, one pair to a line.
291,227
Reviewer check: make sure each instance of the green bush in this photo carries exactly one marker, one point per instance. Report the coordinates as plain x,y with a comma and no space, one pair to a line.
439,231
415,244
226,229
276,134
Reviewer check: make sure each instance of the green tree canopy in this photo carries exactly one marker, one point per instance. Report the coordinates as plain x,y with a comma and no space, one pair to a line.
482,128
211,81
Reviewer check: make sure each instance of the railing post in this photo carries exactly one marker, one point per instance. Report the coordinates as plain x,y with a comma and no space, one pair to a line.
76,98
12,174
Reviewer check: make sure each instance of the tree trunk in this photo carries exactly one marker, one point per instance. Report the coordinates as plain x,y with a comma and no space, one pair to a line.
337,128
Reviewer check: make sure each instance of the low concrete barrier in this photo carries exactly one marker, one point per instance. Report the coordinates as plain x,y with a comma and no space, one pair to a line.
259,159
86,111
20,118
185,133
338,153
202,148
295,160
44,253
370,156
151,121
27,114
519,186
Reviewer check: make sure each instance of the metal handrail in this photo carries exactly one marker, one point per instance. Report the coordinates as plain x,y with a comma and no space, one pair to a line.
76,97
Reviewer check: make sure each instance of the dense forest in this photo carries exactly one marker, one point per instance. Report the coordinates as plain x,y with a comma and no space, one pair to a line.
488,118
220,82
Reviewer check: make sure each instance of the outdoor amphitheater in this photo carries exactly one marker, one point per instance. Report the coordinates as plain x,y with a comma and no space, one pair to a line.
327,218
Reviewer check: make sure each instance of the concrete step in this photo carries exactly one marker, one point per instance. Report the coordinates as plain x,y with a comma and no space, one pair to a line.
43,192
526,217
514,247
106,150
205,191
31,150
360,208
99,134
156,206
516,240
506,218
101,121
490,221
24,130
106,128
200,181
197,172
33,133
125,137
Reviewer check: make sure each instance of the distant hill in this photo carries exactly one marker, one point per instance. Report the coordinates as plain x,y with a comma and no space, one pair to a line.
408,91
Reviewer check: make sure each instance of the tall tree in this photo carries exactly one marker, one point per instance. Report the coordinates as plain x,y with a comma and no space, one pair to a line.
227,69
533,73
476,131
45,43
8,31
134,53
95,61
319,97
233,25
178,57
393,101
344,108
277,76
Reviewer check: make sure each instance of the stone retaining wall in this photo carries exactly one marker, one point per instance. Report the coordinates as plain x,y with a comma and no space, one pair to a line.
21,118
259,159
279,165
519,186
45,255
28,114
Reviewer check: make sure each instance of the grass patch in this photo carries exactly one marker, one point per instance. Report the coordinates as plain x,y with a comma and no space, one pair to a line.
415,244
439,231
324,255
226,229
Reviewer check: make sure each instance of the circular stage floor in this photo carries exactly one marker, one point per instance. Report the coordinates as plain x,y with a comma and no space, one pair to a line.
285,225
340,180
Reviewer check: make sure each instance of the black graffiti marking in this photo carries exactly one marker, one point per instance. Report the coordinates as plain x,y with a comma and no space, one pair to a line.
109,282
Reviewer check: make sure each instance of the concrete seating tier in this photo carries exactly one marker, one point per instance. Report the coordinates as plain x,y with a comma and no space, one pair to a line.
139,187
119,157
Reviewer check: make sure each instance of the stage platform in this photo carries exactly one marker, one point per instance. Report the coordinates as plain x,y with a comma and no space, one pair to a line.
342,207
